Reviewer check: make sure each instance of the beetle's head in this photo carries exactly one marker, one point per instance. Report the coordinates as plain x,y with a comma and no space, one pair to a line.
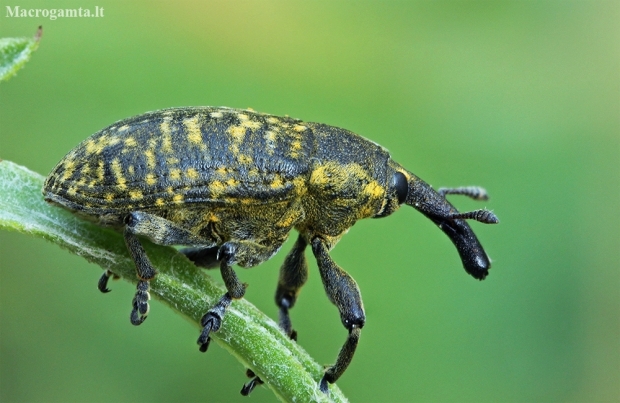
411,190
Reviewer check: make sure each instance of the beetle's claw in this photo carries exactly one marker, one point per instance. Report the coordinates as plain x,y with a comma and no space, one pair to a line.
204,339
102,285
205,346
251,384
135,318
140,303
323,385
211,322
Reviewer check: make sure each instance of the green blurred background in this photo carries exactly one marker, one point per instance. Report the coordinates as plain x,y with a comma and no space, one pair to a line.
522,98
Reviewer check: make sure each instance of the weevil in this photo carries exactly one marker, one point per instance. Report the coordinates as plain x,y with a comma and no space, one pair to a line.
230,184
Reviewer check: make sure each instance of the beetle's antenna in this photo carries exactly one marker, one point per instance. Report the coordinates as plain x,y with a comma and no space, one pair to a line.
475,192
483,216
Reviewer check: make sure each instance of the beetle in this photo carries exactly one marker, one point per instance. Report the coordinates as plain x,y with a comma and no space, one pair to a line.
230,184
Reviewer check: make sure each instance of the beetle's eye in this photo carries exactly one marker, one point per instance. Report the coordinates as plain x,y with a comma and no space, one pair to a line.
400,183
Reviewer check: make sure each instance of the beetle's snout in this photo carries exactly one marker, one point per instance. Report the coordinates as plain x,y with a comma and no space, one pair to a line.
434,205
474,258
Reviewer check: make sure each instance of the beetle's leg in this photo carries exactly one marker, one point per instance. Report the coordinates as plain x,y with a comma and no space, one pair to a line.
293,275
161,231
343,292
202,257
212,320
475,192
144,271
245,254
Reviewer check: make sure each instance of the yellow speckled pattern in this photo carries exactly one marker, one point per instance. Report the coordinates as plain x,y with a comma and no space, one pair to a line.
221,172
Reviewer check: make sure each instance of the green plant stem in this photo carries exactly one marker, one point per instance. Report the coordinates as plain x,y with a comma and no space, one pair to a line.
248,334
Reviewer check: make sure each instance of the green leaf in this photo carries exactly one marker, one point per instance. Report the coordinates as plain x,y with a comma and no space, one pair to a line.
15,52
248,334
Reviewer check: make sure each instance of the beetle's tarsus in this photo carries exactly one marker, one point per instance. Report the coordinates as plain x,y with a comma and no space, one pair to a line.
285,320
475,192
144,270
135,318
212,324
343,292
102,285
140,303
344,358
212,321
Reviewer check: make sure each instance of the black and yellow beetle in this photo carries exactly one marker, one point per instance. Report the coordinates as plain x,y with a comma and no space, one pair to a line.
231,184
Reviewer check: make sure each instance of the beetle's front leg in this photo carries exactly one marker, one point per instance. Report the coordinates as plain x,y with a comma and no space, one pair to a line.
343,292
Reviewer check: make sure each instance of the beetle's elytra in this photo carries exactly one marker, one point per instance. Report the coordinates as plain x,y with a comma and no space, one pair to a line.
231,184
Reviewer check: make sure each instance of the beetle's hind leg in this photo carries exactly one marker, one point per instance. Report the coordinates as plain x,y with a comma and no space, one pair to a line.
162,232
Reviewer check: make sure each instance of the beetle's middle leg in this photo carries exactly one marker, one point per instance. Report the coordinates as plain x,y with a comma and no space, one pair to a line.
245,254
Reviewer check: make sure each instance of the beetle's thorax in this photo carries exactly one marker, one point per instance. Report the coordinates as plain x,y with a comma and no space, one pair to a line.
346,181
